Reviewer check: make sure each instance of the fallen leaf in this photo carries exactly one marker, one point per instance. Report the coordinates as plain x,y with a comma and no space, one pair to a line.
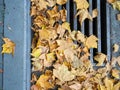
116,5
81,4
91,42
51,3
33,11
44,34
108,83
36,52
63,74
66,26
50,57
115,73
102,87
118,17
8,47
61,2
80,36
94,13
44,82
111,1
76,86
83,14
100,58
63,14
116,86
42,4
115,48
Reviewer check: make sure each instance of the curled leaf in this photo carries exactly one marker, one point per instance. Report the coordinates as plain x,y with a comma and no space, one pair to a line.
115,47
94,13
100,58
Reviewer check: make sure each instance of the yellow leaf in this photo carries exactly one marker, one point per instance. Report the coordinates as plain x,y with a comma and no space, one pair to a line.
42,4
36,52
82,4
61,2
63,74
44,82
102,87
50,57
80,36
94,13
44,34
115,47
100,58
116,5
83,14
66,26
8,47
51,3
117,86
91,42
111,1
108,83
63,14
115,73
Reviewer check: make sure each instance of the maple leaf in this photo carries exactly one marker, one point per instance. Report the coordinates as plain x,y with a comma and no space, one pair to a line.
91,42
81,4
61,2
100,58
8,47
94,13
44,82
83,14
63,74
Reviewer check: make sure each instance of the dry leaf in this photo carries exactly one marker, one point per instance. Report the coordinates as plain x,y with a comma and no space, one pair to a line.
118,17
80,36
44,82
63,74
83,14
108,83
43,4
76,86
34,87
44,34
117,86
116,5
81,4
33,11
115,73
91,42
50,57
100,58
8,47
36,52
115,47
94,13
111,1
61,2
63,14
51,3
66,26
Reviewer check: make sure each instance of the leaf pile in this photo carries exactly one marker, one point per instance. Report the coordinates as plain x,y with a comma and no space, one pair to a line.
61,55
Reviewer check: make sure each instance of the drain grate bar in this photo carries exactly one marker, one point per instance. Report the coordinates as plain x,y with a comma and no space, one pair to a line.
108,31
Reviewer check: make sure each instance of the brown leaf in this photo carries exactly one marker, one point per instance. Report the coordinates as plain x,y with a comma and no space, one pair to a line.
91,42
33,11
116,86
34,87
115,48
94,13
8,47
61,2
63,14
100,58
82,4
83,14
108,83
63,74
